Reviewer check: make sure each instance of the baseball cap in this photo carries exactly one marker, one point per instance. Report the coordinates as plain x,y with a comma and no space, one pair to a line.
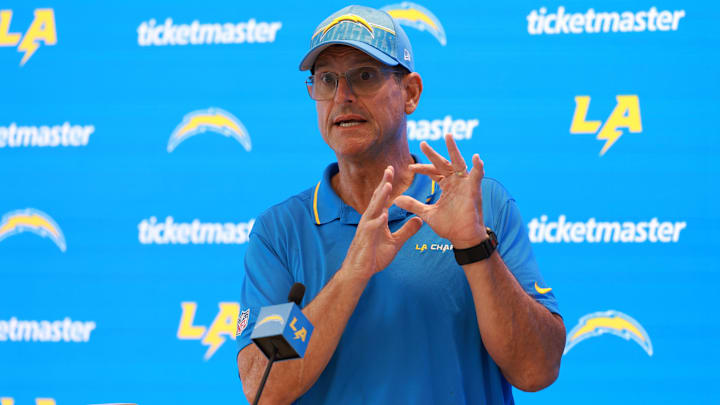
372,31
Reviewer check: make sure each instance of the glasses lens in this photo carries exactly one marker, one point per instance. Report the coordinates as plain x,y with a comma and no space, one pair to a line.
365,80
323,85
309,85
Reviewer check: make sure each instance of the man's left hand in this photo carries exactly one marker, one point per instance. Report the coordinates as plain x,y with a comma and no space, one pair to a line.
457,215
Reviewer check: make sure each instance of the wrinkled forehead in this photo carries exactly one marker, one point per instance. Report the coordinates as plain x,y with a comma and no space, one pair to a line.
343,54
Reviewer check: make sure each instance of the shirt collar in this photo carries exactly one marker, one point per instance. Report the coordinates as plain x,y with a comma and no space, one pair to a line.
327,205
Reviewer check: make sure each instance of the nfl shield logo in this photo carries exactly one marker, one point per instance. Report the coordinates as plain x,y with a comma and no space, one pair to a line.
242,321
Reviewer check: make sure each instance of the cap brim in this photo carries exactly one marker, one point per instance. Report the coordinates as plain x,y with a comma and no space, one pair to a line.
309,59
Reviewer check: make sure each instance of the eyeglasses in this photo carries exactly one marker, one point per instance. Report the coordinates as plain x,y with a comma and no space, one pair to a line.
362,81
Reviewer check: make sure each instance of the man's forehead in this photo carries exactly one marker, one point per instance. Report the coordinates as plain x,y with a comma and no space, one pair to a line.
343,53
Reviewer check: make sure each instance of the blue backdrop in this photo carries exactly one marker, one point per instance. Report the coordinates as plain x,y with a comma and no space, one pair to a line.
139,140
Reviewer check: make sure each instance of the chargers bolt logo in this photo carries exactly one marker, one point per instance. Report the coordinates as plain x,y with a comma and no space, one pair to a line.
31,220
212,119
347,17
418,17
271,318
42,29
612,322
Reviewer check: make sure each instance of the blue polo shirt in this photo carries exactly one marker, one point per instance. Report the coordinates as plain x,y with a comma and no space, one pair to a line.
413,337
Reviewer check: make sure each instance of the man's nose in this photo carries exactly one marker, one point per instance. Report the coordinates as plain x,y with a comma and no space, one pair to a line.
344,93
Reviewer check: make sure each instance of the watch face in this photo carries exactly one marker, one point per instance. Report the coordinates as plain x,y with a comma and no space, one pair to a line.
493,237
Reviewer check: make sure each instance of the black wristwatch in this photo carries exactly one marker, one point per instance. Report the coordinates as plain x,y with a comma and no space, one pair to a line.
478,252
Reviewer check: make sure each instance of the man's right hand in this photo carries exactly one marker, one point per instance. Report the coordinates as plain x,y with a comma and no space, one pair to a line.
374,246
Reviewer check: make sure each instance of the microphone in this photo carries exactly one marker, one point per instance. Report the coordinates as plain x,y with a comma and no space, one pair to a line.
282,332
297,292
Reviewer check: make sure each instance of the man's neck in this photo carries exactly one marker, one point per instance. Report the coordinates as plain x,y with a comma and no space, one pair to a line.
357,179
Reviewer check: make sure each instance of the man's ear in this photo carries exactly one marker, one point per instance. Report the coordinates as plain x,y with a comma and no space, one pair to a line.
413,88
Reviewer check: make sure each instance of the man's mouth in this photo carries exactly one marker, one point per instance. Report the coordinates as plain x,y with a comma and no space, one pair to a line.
348,121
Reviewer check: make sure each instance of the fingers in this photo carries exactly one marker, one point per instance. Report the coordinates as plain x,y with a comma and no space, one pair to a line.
443,166
379,200
409,229
458,163
428,170
410,204
377,222
478,170
437,159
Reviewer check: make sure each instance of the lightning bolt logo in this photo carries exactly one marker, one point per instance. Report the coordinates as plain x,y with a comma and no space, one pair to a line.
29,47
610,135
223,325
418,17
42,29
626,114
31,220
612,322
212,119
215,335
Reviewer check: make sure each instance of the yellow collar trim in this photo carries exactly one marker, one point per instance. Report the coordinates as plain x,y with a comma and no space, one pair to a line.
317,217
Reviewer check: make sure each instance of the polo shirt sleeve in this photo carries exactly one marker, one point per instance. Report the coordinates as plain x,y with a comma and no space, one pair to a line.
516,251
267,280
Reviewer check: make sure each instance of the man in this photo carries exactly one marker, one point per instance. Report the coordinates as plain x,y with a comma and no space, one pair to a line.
400,316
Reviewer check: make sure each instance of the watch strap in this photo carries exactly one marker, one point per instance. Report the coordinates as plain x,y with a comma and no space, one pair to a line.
476,253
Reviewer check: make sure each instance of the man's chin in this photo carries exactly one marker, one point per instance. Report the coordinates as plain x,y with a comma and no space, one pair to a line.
349,147
356,133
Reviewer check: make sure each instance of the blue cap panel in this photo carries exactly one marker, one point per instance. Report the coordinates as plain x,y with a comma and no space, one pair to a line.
373,31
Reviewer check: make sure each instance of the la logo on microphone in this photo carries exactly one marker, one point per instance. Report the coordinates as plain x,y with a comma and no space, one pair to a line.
300,333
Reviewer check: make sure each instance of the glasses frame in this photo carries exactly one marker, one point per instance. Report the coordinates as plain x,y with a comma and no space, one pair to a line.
385,71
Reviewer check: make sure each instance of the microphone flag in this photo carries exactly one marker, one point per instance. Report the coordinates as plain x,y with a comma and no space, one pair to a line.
283,328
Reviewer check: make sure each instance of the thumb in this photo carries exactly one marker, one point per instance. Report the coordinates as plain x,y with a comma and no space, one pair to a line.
410,204
407,230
